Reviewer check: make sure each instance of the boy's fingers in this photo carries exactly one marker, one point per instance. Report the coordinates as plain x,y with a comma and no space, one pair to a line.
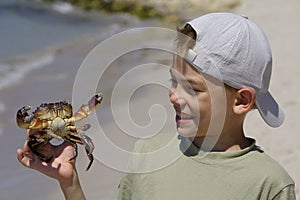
28,160
26,147
24,159
26,151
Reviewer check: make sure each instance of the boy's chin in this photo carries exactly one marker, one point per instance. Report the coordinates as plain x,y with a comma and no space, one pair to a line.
189,132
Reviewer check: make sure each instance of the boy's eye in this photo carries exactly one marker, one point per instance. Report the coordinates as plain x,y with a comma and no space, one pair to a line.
187,87
193,90
173,82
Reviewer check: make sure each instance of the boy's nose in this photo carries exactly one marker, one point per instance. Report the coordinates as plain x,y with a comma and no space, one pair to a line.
176,98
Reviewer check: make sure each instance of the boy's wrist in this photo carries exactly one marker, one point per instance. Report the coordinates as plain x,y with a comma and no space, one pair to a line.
72,188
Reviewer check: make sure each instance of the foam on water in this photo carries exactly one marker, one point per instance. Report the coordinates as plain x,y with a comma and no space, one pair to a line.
29,27
14,72
62,7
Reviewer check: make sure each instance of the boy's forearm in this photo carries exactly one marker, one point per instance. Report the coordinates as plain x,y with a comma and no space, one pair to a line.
73,190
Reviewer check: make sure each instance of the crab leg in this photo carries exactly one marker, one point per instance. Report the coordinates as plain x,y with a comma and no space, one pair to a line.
75,152
91,158
34,143
84,140
78,128
89,148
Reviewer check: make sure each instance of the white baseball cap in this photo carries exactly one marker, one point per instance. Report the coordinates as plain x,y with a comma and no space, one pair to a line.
242,55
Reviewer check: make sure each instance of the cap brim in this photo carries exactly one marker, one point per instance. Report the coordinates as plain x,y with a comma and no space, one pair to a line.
269,109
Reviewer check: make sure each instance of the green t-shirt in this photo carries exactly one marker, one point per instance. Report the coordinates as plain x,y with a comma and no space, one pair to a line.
241,175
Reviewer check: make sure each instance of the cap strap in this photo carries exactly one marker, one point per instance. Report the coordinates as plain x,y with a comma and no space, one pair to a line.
190,55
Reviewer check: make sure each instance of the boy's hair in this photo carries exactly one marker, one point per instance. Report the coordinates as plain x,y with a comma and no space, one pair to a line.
186,39
234,50
183,42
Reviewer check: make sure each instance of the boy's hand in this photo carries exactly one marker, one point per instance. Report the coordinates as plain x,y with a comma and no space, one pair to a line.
59,168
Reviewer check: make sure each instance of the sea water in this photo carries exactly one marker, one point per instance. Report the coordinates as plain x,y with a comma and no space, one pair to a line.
31,32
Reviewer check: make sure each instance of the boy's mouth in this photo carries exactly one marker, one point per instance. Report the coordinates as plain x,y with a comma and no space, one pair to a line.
182,118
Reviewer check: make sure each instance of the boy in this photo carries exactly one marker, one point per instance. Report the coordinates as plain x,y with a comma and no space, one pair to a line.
218,161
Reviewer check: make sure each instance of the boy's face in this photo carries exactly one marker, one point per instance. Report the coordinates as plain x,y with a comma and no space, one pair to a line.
193,95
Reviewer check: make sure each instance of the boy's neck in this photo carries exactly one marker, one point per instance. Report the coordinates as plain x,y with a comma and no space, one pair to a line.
222,143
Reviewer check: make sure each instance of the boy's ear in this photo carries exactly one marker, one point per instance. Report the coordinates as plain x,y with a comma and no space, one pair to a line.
245,101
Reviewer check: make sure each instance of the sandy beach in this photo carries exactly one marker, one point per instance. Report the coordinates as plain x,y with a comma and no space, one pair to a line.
279,19
280,22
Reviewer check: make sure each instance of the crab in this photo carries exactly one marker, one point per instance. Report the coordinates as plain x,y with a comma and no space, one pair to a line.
56,120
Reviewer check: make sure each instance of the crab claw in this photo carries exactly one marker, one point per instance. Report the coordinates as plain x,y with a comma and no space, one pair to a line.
95,101
23,118
98,97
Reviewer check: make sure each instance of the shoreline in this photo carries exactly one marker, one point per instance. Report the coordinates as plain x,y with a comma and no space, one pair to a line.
171,11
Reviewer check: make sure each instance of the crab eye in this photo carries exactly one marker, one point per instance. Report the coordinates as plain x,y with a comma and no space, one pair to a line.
40,133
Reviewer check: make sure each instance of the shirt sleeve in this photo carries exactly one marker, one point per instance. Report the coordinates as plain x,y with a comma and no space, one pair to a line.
125,187
287,193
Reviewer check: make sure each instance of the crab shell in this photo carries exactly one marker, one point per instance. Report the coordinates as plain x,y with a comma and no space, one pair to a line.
44,113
